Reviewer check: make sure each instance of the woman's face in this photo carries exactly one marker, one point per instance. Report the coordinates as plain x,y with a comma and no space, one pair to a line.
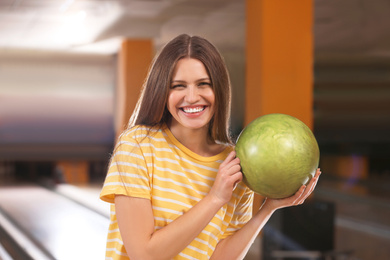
191,98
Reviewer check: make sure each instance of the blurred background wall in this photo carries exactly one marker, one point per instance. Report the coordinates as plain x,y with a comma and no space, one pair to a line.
58,72
59,77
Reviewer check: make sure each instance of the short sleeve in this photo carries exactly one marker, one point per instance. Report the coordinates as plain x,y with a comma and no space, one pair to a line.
127,173
242,213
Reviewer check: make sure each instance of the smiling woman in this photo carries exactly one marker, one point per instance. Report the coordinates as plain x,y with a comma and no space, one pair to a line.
191,97
174,182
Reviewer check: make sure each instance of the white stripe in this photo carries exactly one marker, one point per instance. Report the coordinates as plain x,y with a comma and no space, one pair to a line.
231,204
237,223
168,210
201,175
215,226
127,185
178,183
236,196
197,250
240,186
155,148
115,240
176,162
129,164
195,164
176,192
129,154
247,214
229,214
162,159
218,216
206,243
187,256
199,183
132,175
134,144
172,201
163,219
210,234
150,137
113,231
139,128
183,175
116,251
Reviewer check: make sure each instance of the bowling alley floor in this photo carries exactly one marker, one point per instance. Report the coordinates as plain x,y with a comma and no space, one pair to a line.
70,215
362,215
57,222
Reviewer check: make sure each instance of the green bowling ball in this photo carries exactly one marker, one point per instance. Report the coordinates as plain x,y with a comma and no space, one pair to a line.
278,153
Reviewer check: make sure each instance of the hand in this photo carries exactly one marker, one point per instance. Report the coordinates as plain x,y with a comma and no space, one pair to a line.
229,174
298,198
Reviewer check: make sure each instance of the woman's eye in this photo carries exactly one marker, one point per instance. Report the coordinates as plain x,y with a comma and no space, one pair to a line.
177,86
204,84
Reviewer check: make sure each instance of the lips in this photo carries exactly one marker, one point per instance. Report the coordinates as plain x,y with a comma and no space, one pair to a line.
193,110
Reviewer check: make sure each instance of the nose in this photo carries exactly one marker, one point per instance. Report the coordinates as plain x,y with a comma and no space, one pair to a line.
192,94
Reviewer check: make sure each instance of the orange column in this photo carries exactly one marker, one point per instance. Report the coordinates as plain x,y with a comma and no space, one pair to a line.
134,59
279,60
73,171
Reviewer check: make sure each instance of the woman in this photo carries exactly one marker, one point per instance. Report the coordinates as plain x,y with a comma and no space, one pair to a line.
174,180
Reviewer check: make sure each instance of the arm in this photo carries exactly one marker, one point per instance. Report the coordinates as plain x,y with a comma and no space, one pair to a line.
136,221
237,245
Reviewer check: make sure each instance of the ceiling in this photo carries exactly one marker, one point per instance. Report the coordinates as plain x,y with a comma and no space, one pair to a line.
351,28
98,26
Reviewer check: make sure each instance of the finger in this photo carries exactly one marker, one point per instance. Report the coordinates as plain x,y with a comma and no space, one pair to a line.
299,195
233,166
228,159
318,172
237,182
234,169
314,181
310,188
237,179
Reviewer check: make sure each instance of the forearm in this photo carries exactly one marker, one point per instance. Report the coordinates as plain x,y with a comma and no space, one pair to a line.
176,236
237,245
171,239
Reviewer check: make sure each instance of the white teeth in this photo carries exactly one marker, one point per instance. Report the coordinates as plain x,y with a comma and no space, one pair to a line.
193,110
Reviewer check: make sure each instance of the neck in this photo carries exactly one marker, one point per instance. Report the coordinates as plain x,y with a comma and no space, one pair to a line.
197,140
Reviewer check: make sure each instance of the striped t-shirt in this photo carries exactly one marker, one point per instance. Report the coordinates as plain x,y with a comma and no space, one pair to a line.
153,164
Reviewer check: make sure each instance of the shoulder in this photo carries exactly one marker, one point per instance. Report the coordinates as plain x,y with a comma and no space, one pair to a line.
141,133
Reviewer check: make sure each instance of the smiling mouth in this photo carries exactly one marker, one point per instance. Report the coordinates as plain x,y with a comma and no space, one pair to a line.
192,110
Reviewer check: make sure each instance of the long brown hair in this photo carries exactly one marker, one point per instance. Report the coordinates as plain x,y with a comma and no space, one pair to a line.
151,109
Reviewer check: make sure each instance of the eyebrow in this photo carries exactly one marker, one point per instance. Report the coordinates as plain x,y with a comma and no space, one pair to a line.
202,79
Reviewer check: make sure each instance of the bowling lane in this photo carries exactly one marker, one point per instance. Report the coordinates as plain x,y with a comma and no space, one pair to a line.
66,229
4,254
